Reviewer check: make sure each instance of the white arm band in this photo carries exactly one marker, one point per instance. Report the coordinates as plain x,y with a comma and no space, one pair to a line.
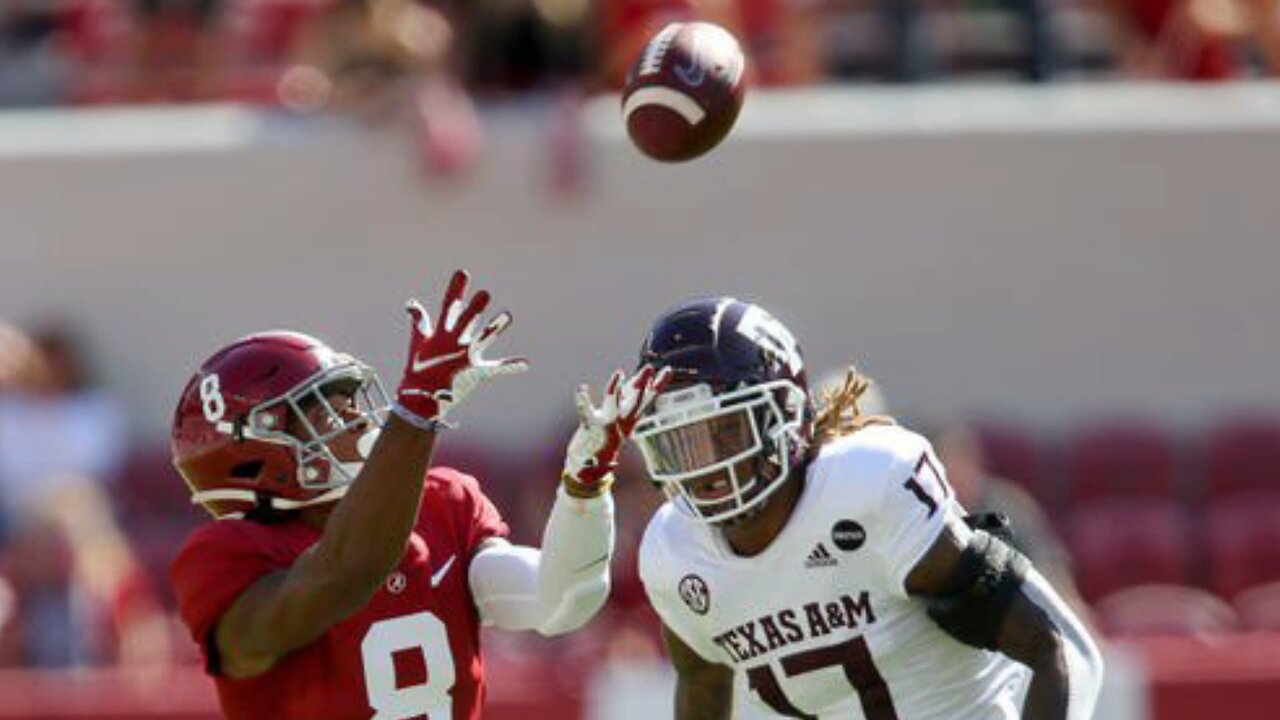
1083,660
555,590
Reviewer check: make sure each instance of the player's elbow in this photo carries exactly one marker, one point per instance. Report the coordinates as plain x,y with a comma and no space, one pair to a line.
1074,663
1033,640
1045,653
575,607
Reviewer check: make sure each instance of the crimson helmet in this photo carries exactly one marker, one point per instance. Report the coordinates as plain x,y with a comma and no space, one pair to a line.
738,393
241,435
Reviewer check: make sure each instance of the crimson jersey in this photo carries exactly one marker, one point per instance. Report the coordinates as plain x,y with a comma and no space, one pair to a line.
412,651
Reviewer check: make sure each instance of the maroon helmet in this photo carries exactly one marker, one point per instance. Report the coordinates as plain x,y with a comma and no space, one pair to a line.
242,438
738,393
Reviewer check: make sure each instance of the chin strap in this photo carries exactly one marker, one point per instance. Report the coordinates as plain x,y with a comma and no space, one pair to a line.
276,503
327,497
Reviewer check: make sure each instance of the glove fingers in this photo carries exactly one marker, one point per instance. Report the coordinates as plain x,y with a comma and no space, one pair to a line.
644,387
450,315
467,337
418,315
614,381
657,383
661,381
510,366
457,287
468,315
630,395
612,398
499,323
582,401
641,382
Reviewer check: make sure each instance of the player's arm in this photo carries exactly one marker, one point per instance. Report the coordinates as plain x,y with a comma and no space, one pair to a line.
987,595
366,533
704,690
290,608
558,588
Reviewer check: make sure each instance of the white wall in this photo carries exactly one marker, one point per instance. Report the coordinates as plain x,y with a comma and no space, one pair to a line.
1045,253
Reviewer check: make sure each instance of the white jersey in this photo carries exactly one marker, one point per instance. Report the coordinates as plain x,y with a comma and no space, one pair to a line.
820,622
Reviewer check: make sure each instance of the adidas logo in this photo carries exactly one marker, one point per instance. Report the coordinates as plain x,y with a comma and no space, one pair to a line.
819,557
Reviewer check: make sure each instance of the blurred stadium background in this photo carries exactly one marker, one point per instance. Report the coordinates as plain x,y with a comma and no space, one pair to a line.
1047,229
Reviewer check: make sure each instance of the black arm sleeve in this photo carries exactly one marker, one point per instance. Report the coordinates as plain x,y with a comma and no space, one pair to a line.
988,577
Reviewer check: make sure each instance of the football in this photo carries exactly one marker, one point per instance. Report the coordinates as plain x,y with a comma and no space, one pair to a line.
684,92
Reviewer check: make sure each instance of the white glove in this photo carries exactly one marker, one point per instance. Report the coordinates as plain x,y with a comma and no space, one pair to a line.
593,450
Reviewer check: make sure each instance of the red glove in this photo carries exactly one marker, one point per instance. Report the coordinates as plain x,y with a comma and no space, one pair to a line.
444,363
593,451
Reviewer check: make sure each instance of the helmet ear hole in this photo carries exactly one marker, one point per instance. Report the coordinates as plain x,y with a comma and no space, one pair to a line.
247,470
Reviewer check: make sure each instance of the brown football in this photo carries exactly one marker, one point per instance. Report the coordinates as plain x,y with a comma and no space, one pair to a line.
684,92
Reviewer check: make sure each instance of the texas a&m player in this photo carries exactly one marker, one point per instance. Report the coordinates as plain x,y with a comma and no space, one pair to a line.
819,553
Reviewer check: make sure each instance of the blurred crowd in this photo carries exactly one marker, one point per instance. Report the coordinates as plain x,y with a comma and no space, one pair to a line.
72,589
1149,533
364,55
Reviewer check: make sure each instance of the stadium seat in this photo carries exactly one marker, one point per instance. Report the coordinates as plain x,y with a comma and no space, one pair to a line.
1121,459
155,510
1122,543
1164,610
1242,456
1259,607
1014,454
147,485
95,36
253,86
1244,542
95,30
264,31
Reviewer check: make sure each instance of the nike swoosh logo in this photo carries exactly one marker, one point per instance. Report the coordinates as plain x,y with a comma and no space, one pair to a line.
438,575
420,365
695,72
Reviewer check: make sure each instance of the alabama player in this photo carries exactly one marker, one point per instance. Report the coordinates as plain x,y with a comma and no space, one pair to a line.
343,578
820,555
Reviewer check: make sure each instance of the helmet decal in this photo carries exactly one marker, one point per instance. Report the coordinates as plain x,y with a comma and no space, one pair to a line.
772,336
212,402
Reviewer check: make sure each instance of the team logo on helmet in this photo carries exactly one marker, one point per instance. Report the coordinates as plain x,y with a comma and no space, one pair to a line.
695,594
775,341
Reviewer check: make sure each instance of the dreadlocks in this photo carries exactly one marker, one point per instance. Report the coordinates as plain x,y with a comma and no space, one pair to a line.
838,410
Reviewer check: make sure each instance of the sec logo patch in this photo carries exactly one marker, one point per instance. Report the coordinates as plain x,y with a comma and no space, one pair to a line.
695,594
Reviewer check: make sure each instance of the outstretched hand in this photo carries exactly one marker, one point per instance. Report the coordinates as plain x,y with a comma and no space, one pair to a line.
445,358
603,429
